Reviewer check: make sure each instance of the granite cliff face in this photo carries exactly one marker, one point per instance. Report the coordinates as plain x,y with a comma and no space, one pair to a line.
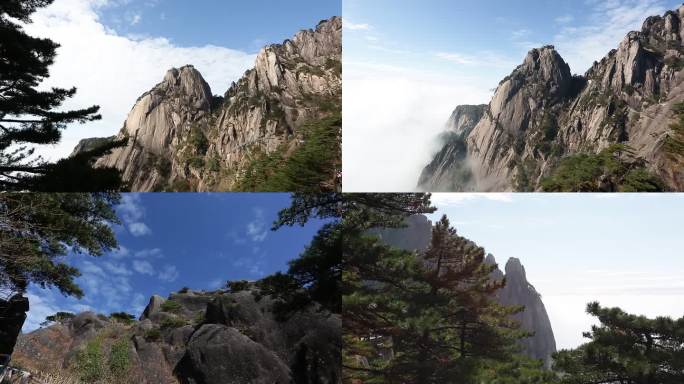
180,137
541,113
197,337
517,291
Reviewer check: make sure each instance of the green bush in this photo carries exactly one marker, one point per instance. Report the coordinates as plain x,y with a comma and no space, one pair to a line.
172,323
153,334
615,169
312,167
171,306
119,360
122,317
238,285
90,361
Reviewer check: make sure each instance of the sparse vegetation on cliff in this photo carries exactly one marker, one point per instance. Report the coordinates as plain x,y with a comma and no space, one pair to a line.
615,169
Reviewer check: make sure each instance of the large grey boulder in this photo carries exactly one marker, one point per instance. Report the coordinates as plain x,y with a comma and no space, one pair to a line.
218,354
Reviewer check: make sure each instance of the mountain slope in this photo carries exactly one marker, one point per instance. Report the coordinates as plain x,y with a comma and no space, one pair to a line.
517,291
183,138
193,337
542,114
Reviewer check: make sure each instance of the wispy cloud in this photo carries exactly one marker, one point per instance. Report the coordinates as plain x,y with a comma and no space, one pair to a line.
132,212
257,229
446,199
480,59
355,27
565,19
609,22
143,267
168,273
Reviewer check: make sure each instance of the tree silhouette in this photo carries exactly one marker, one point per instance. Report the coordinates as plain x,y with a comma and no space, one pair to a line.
31,116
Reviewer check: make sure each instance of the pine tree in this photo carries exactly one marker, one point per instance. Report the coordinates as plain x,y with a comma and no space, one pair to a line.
626,349
37,229
427,319
29,116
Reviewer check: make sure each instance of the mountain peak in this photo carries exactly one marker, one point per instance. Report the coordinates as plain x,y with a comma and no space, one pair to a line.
515,269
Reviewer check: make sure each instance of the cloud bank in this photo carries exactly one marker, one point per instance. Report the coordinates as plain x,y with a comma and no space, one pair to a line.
112,70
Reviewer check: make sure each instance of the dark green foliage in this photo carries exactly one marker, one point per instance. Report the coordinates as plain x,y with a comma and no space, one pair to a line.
38,229
172,323
626,348
198,140
615,169
90,362
171,306
238,285
429,320
119,359
313,166
519,370
315,276
29,116
335,65
123,317
57,317
676,63
674,143
153,334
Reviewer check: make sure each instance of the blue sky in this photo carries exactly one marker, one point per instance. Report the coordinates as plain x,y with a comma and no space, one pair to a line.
623,250
115,50
408,64
242,25
170,241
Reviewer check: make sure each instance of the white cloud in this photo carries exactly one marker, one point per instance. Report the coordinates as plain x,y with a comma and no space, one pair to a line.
391,117
610,21
135,19
355,27
144,267
168,273
139,303
117,268
112,70
154,253
120,253
257,229
447,199
132,212
139,229
564,19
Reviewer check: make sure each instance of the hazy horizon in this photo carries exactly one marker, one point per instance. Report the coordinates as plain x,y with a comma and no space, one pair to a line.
622,250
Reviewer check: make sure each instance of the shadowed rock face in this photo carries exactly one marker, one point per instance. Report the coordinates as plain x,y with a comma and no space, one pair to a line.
181,137
203,338
448,170
541,113
12,317
517,291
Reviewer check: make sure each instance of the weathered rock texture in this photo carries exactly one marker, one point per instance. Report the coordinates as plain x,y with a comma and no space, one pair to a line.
534,319
203,338
542,113
183,138
517,291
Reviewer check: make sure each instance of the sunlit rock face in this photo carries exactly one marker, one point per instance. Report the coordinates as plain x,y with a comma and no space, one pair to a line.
180,137
542,113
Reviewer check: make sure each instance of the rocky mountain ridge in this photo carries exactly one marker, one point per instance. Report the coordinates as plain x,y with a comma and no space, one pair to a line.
541,114
180,137
194,337
517,291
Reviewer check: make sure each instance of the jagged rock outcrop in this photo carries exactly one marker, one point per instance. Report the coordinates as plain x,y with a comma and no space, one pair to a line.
199,337
517,291
449,170
534,319
180,137
86,145
541,114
